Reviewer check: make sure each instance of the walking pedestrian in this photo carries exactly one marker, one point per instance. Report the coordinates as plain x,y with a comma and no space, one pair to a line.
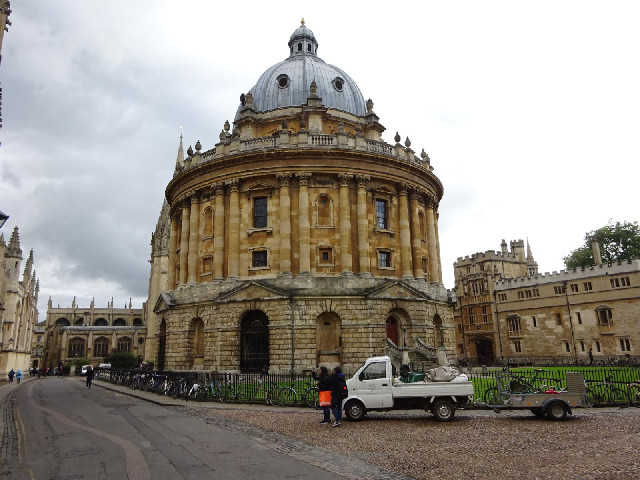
324,391
18,375
11,375
338,389
89,376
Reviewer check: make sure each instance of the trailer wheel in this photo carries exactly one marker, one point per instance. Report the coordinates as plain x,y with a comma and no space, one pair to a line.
355,411
443,410
537,411
557,411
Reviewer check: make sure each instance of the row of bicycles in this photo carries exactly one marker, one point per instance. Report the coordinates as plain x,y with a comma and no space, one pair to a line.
599,393
250,389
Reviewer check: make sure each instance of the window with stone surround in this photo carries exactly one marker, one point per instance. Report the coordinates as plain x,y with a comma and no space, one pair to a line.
567,347
324,211
604,315
587,286
517,346
620,282
101,347
625,344
385,259
259,258
207,265
124,344
207,223
260,212
513,322
574,288
559,289
325,256
76,348
598,347
382,214
502,297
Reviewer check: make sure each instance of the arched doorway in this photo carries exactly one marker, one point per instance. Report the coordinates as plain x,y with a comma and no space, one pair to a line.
162,344
254,341
328,340
484,351
392,330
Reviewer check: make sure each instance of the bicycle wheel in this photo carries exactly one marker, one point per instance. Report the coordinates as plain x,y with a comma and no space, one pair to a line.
287,397
593,397
634,394
491,396
201,393
310,398
270,396
243,395
617,397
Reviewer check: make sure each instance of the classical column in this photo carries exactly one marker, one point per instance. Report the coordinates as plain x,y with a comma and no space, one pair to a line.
303,221
173,246
234,228
436,218
416,242
431,241
345,225
285,222
218,232
363,226
405,233
184,244
194,233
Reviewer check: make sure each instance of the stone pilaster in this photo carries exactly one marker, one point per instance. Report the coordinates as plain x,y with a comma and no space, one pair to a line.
173,246
218,232
194,233
184,244
436,217
416,242
303,221
431,242
285,222
346,259
363,226
234,228
405,233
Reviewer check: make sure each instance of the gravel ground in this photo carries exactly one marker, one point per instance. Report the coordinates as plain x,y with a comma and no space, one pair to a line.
593,444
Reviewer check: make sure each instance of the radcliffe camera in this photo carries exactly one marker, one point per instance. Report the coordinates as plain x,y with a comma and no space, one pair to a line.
245,243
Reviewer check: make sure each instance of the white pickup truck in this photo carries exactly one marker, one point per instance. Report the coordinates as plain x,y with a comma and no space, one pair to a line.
373,388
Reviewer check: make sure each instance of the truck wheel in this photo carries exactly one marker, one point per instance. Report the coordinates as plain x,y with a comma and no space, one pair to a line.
557,411
355,411
537,411
443,410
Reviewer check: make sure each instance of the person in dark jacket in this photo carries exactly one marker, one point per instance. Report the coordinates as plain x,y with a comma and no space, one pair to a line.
11,375
323,386
89,376
338,384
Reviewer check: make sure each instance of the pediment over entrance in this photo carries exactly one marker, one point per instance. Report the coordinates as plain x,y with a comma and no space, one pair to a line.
397,289
252,291
163,303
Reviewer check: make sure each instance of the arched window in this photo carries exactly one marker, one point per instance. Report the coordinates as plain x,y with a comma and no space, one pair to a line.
208,223
328,339
62,322
79,321
76,348
101,347
100,322
198,337
254,341
324,211
124,344
119,322
137,322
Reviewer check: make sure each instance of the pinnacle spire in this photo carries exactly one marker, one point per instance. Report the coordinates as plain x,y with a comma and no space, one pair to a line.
180,156
14,244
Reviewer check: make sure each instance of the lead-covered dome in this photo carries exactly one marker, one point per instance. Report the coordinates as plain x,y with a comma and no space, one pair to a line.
287,83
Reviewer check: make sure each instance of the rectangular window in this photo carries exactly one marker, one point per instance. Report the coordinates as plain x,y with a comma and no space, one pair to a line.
470,312
259,258
535,321
485,316
625,281
502,297
615,283
207,265
384,259
574,288
260,212
381,214
520,294
325,256
517,346
536,292
559,289
579,318
567,347
597,346
582,346
604,315
625,345
587,286
514,325
558,319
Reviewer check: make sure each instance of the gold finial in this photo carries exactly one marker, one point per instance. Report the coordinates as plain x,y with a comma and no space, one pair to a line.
302,21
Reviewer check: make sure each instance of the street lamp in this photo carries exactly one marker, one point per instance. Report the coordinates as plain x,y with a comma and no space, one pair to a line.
3,218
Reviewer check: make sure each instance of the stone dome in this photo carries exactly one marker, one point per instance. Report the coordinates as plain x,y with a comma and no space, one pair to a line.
287,83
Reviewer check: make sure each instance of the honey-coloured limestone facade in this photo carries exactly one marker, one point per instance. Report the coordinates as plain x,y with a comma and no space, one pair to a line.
301,238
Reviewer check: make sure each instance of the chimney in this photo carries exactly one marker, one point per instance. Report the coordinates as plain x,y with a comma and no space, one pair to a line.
595,247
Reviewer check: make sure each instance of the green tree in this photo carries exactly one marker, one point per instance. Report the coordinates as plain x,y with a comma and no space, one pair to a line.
122,360
618,241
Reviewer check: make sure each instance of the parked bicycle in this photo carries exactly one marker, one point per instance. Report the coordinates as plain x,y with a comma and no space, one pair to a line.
288,396
606,393
634,394
511,382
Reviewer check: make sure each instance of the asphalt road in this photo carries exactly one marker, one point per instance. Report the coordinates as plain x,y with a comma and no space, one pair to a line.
57,429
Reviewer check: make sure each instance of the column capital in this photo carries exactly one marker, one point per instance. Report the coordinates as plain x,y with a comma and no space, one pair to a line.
218,188
233,184
362,180
403,189
194,197
344,179
284,178
303,178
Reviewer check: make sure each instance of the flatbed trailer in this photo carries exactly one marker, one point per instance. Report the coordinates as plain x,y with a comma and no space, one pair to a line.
554,404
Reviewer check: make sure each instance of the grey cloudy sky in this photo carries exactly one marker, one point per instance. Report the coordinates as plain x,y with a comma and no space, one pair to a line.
528,110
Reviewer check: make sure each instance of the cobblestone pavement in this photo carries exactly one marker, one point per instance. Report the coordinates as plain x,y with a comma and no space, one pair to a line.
593,444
